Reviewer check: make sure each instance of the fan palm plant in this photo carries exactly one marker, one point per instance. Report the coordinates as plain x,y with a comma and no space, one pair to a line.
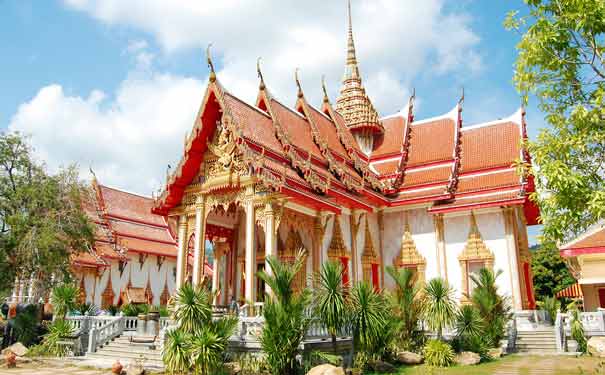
63,300
330,301
368,317
406,306
175,353
192,308
439,306
285,320
493,308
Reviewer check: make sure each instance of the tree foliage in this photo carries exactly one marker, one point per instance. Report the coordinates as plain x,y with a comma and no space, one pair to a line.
551,275
41,218
561,61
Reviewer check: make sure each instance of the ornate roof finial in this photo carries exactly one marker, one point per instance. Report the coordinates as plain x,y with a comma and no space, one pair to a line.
300,92
94,176
324,88
260,74
212,76
461,101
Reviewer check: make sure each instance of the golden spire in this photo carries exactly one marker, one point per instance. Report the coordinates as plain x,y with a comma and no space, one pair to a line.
353,103
325,89
300,92
260,75
212,75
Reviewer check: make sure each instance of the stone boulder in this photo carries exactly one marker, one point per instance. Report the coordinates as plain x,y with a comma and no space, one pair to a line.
135,369
467,359
326,370
596,346
19,349
495,353
409,358
232,368
383,367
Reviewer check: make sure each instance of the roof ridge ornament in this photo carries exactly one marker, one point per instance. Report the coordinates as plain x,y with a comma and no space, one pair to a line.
212,76
260,74
300,92
324,88
461,100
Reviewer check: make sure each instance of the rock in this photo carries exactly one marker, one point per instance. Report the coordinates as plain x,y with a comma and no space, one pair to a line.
326,370
19,349
10,359
135,369
495,353
596,346
232,368
23,360
467,359
383,367
409,358
117,367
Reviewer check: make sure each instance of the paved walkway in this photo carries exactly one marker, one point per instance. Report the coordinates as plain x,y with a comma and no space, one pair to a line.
44,370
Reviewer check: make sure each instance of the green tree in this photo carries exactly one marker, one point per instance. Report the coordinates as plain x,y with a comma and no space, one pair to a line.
406,307
368,317
41,217
330,302
561,61
439,305
551,275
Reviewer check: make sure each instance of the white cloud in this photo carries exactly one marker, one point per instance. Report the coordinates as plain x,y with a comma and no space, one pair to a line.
127,141
396,39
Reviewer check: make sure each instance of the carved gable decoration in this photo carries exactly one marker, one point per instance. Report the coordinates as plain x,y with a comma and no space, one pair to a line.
475,249
223,157
408,253
337,247
293,244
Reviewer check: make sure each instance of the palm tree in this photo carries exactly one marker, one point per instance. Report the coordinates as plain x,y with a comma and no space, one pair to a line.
405,303
439,306
199,341
285,320
330,303
63,300
493,308
368,317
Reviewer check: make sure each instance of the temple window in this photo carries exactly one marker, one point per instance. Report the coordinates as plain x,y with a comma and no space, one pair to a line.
369,261
409,257
473,258
288,254
337,251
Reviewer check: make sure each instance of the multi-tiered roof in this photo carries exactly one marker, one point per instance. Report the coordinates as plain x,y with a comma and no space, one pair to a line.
321,157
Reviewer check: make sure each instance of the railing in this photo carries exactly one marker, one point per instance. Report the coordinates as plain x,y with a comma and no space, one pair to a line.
105,333
254,310
560,332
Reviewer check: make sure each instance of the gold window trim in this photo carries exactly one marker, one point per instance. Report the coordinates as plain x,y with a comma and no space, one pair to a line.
108,294
337,247
409,256
368,257
475,251
288,255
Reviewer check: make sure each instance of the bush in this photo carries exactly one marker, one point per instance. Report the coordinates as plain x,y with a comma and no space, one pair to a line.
130,309
438,353
87,308
57,331
27,326
577,329
551,305
113,310
63,299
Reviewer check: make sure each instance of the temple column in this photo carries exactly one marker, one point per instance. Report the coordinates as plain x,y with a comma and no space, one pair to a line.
225,288
440,236
216,270
381,245
181,262
250,251
199,244
511,243
270,239
355,222
318,237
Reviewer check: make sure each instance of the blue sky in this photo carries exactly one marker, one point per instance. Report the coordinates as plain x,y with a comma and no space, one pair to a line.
115,84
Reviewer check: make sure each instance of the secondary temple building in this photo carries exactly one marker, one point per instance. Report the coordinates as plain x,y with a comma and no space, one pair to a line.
342,183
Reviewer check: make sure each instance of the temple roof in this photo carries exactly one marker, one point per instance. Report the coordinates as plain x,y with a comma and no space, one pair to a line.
311,155
124,224
590,242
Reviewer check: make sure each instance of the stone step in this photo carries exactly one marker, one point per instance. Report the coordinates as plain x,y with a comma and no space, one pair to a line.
126,357
117,351
540,339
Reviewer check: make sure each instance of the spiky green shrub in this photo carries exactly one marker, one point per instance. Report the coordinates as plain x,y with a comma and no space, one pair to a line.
57,332
175,353
439,305
330,299
285,320
469,331
493,308
551,305
438,353
406,308
368,315
63,299
577,329
86,308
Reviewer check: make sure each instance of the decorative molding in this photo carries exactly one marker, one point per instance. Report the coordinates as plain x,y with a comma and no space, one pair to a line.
409,256
475,250
368,257
337,248
108,295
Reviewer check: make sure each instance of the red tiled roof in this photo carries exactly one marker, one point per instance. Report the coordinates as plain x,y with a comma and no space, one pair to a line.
496,199
425,176
488,180
128,205
431,142
327,129
150,247
497,145
390,141
591,239
141,230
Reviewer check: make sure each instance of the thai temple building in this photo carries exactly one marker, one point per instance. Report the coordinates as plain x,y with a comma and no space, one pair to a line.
585,258
338,181
133,258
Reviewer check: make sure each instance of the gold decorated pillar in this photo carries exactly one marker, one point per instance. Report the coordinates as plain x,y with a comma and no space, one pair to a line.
250,250
181,262
440,236
355,223
270,238
381,245
199,245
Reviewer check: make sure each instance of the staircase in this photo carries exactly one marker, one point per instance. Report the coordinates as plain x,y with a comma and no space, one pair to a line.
540,341
121,348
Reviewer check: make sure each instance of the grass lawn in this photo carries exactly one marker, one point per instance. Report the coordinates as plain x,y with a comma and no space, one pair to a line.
516,364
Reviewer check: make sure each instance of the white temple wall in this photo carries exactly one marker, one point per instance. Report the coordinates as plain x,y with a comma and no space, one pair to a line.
422,228
492,228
